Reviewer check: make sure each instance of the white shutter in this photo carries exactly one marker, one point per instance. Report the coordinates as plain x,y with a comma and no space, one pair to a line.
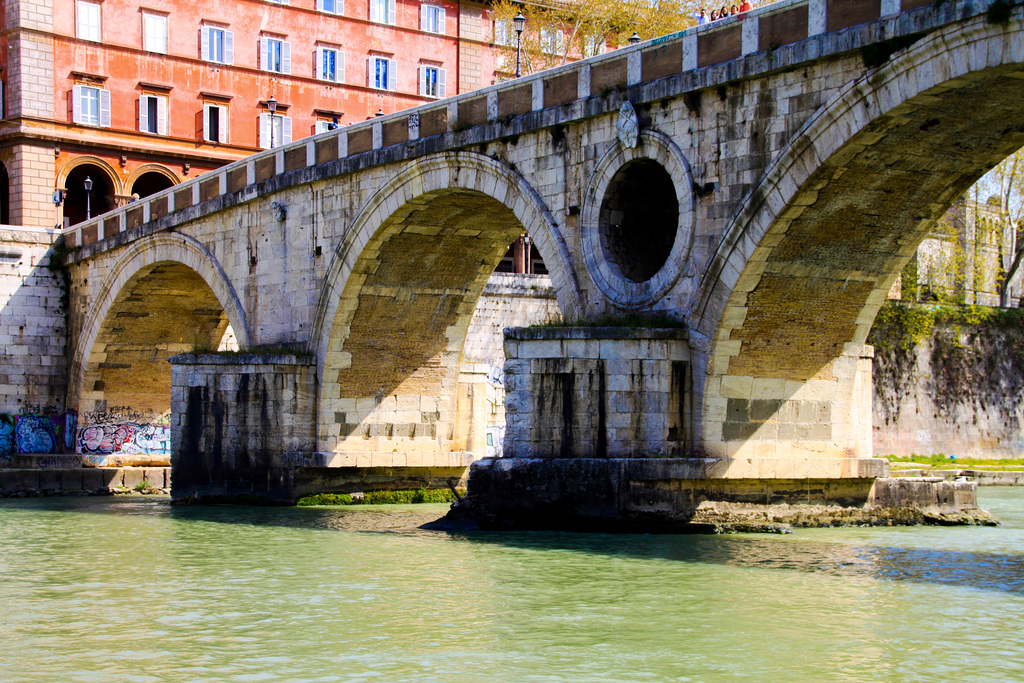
423,80
229,47
144,113
206,122
319,5
391,11
424,17
204,43
222,120
286,57
76,103
264,124
105,108
340,67
369,72
318,61
264,54
286,129
161,115
440,20
392,83
375,10
440,84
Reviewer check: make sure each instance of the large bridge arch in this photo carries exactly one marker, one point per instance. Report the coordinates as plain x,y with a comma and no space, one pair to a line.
398,297
166,281
790,297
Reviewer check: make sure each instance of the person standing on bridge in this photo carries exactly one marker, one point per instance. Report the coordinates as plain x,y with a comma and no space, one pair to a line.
702,17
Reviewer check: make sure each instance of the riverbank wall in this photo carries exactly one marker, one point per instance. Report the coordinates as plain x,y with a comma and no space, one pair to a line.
64,481
948,380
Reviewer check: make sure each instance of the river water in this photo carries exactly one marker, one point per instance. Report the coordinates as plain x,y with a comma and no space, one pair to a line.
132,589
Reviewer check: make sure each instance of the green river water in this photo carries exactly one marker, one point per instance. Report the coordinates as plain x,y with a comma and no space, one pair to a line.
133,589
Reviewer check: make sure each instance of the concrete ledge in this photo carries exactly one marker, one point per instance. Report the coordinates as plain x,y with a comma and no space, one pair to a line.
241,359
573,332
81,480
627,495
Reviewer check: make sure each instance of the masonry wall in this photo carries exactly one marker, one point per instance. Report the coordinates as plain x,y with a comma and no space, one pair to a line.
958,392
509,300
33,325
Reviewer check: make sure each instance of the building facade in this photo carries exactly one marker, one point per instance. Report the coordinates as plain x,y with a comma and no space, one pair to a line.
104,100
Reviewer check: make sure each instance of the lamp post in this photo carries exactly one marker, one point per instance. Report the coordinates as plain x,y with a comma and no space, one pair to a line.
634,39
88,197
519,22
272,106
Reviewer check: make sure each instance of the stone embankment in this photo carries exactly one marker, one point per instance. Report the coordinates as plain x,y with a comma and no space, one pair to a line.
982,477
52,476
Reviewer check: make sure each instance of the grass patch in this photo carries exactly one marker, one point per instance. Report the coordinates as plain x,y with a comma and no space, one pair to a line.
943,461
403,497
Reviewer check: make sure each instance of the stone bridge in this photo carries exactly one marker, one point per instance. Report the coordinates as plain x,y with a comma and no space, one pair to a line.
782,169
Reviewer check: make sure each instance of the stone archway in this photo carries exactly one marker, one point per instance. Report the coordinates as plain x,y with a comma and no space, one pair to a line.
166,295
398,300
80,202
796,283
150,179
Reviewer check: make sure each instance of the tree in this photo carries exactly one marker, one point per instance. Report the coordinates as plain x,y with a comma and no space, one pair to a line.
1007,178
559,32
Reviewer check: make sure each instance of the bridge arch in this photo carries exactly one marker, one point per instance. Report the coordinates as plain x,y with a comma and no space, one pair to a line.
414,262
187,274
795,285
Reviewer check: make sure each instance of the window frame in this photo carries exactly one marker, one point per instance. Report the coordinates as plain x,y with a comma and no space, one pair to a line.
439,83
82,28
161,113
264,123
80,116
432,19
383,12
373,73
268,44
319,72
148,16
207,44
339,7
222,122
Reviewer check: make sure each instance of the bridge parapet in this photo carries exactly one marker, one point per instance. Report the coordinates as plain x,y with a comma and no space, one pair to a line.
776,36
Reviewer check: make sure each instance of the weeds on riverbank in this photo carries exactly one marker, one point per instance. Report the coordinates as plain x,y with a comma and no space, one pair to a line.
944,461
379,498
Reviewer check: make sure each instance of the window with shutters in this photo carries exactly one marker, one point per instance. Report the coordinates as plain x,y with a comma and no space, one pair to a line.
89,21
329,64
504,33
382,11
331,6
91,106
275,130
153,114
382,73
215,123
551,41
432,81
217,45
154,32
276,55
432,18
593,46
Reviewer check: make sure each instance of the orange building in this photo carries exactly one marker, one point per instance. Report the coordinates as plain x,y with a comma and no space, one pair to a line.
129,98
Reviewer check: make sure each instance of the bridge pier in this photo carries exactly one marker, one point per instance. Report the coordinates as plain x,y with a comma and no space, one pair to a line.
601,435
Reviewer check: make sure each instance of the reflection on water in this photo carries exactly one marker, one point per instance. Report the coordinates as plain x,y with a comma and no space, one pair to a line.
135,590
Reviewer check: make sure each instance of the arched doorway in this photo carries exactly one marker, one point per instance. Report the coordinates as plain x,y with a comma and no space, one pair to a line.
79,203
151,182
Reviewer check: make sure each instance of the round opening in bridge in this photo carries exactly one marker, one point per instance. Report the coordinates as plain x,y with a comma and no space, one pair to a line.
638,219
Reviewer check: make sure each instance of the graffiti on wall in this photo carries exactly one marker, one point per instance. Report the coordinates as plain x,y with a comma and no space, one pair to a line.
36,431
39,434
125,437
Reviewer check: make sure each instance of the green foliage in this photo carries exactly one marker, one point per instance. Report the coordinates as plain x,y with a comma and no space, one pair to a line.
144,487
401,497
943,460
901,326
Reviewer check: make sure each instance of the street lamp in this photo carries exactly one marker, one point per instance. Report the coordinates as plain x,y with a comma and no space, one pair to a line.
88,197
519,22
272,106
634,39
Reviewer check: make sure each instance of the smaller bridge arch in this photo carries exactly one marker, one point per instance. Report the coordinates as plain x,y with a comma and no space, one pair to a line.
194,290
